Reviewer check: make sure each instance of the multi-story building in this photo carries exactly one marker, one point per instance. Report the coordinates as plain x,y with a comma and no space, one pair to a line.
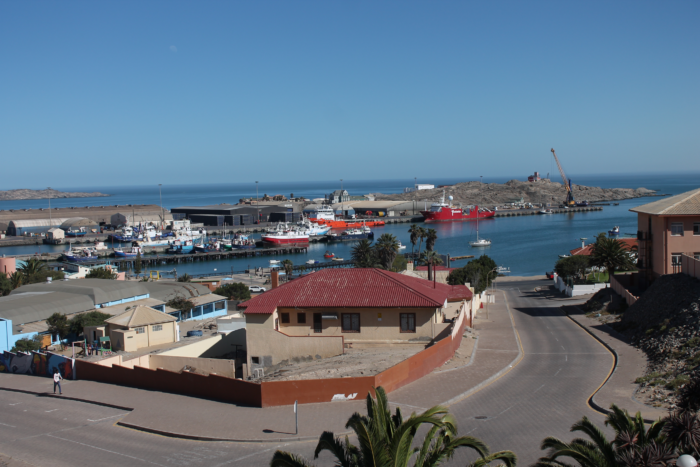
666,230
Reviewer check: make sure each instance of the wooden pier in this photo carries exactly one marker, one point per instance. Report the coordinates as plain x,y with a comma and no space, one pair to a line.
533,212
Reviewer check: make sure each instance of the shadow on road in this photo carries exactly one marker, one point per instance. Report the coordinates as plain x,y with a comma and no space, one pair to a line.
604,328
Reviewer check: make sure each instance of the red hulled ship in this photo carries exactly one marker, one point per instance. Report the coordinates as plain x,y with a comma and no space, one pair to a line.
445,212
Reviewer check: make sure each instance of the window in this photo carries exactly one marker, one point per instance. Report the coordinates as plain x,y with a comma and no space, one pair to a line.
220,305
675,258
696,228
408,322
351,322
301,318
255,360
677,229
208,308
157,327
285,318
140,330
696,256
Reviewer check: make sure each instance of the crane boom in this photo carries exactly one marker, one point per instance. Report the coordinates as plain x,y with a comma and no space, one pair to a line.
567,183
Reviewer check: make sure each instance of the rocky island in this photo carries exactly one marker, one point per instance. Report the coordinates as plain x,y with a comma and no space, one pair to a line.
497,194
14,195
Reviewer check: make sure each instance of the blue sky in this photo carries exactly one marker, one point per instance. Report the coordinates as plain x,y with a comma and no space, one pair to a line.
196,92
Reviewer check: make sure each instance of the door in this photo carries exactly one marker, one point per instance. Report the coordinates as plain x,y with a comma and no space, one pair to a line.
318,327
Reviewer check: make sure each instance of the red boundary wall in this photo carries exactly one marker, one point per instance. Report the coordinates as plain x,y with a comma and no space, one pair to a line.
275,393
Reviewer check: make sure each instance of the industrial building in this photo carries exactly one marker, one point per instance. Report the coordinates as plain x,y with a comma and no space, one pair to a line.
240,214
23,313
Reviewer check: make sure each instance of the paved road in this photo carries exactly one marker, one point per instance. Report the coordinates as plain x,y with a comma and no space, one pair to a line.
542,395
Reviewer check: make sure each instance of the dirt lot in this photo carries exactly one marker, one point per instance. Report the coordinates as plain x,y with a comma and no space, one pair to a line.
365,361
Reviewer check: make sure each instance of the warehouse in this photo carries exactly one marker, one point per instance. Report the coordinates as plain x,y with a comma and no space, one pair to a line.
33,226
228,214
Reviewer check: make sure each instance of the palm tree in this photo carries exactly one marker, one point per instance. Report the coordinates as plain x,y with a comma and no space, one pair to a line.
632,439
363,255
288,267
31,267
421,235
386,439
414,231
431,237
610,254
386,249
16,279
185,278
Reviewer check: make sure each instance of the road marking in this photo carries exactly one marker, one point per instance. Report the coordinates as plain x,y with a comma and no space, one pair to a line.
105,450
562,347
16,403
566,358
52,410
556,339
538,389
555,374
241,458
107,418
11,426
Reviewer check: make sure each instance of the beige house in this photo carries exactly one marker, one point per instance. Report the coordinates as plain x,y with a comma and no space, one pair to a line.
319,314
137,328
666,230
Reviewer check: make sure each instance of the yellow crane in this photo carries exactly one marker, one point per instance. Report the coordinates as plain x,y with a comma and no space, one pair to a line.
567,183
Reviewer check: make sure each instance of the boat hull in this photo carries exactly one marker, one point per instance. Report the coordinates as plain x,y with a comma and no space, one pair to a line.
349,238
454,215
285,240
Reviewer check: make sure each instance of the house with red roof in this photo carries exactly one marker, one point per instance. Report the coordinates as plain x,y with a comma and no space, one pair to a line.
319,314
628,243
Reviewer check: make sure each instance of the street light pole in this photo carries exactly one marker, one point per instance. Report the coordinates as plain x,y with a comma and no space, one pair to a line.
162,215
49,190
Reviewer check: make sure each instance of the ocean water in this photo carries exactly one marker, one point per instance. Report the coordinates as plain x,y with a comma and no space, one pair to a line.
528,245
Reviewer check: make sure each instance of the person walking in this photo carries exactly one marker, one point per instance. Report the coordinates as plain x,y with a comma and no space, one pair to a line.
57,381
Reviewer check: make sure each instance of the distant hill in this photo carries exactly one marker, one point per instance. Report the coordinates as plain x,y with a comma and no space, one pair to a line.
13,195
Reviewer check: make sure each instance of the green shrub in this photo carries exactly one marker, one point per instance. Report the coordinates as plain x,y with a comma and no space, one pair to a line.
234,291
677,382
692,342
27,345
647,378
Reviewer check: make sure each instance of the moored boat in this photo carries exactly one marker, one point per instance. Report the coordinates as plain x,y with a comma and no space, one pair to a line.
284,235
614,231
446,212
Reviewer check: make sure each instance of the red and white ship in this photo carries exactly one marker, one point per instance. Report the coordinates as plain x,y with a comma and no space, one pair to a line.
284,235
445,212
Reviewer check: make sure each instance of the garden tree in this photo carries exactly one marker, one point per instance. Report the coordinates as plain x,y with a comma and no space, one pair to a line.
5,285
612,255
387,440
137,264
632,442
27,345
184,278
363,255
101,273
288,267
234,291
431,258
421,236
180,302
41,276
399,264
431,238
601,236
414,231
573,266
58,325
91,318
31,267
16,279
386,249
478,272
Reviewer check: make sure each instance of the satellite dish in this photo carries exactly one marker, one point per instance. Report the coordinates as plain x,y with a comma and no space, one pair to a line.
450,198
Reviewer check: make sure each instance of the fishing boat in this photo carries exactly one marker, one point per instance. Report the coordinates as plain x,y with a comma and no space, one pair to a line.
446,212
350,235
79,255
240,242
207,247
615,231
132,252
76,233
401,246
322,212
313,229
274,262
545,211
284,235
312,261
479,242
337,259
328,254
181,246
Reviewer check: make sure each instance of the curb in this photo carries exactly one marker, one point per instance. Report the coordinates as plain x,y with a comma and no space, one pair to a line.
502,372
591,400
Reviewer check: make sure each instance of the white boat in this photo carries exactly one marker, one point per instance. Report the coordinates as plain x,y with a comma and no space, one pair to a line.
545,211
312,229
401,246
479,242
274,261
322,212
564,256
284,235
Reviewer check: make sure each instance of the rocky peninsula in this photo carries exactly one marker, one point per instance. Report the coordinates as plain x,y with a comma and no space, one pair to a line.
497,194
14,195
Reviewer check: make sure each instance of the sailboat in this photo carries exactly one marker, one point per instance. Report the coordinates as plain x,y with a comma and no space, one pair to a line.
479,241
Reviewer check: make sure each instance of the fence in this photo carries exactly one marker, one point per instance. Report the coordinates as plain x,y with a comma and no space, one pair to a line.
37,363
577,289
275,393
690,266
619,288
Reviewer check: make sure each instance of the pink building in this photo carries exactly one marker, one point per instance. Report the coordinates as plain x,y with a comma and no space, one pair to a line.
667,229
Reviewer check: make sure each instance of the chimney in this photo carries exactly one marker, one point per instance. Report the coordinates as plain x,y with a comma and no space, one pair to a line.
430,272
409,266
274,278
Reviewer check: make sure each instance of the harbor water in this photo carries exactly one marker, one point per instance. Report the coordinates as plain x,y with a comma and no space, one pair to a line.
528,245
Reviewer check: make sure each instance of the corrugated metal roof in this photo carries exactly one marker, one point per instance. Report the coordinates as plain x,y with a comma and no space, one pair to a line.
24,223
99,290
140,316
687,203
166,290
204,299
355,288
30,307
115,310
359,205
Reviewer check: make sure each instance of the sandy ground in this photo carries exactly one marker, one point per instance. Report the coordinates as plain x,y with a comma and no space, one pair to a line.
463,354
365,361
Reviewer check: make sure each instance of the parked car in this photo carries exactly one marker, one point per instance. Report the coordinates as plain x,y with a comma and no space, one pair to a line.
256,288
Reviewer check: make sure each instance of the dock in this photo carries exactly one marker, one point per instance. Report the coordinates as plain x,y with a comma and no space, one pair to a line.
533,212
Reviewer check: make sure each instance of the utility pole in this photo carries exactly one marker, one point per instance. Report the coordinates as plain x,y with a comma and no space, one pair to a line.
256,192
162,215
482,179
49,190
341,185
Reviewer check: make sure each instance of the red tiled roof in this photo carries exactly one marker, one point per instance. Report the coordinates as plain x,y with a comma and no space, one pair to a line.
588,249
356,288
